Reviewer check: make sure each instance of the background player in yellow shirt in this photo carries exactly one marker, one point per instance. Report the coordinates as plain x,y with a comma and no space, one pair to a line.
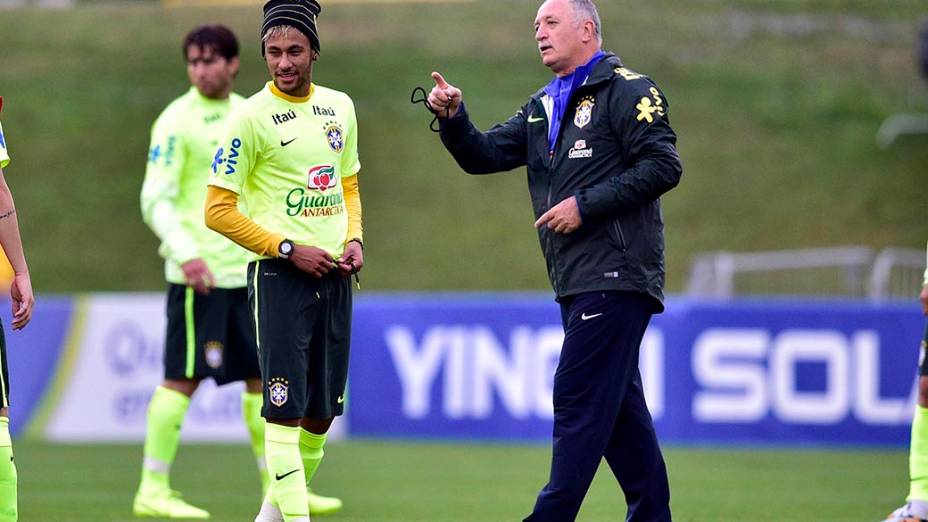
291,152
209,330
22,300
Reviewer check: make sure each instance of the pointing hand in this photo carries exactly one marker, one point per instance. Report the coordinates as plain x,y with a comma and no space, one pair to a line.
445,98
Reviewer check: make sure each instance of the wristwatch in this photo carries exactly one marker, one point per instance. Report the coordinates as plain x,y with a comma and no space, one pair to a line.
285,249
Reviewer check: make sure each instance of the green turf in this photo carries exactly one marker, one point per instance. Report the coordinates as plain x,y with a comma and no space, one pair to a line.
435,482
776,105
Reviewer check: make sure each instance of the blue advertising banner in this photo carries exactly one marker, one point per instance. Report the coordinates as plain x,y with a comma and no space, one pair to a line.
778,372
481,366
33,355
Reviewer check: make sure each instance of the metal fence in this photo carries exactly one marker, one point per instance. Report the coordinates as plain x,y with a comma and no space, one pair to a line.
893,273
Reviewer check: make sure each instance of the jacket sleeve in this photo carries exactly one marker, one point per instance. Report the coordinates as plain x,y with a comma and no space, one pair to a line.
639,119
499,149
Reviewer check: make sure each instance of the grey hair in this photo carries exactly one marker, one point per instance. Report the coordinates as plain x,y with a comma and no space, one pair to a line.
586,10
277,31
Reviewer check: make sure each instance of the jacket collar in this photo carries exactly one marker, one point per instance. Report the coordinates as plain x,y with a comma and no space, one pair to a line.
602,71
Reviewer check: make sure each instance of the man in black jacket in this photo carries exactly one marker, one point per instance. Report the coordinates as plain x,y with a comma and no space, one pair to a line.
599,152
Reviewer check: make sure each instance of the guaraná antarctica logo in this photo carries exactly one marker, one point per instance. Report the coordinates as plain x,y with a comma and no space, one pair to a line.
322,178
308,202
278,390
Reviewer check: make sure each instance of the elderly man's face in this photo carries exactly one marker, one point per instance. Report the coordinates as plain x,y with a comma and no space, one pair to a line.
559,36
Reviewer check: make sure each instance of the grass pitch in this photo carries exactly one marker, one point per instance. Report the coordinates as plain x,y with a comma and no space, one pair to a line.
454,482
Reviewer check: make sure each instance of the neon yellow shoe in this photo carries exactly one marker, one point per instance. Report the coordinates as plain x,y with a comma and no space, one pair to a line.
319,505
166,504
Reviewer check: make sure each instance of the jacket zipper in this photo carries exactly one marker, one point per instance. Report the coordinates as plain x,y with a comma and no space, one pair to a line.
548,232
549,247
618,228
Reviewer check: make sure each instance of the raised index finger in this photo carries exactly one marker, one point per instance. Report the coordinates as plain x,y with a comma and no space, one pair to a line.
439,80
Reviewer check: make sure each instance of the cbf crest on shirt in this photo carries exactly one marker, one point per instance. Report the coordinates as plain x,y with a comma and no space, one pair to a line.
584,114
287,156
335,135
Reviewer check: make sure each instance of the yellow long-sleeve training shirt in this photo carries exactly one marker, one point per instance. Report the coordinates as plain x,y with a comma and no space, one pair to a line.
183,140
295,163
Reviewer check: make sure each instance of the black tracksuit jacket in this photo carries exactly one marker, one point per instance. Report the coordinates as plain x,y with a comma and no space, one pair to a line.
615,152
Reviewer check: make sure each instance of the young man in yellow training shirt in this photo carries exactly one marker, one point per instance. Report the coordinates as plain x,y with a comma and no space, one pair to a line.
290,151
209,330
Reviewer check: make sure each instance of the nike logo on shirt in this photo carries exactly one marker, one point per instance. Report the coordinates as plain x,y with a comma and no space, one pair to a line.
535,119
285,143
588,317
281,477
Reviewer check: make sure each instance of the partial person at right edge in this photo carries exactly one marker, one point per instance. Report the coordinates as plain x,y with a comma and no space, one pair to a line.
916,506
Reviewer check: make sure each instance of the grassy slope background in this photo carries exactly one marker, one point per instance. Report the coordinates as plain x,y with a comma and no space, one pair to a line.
776,106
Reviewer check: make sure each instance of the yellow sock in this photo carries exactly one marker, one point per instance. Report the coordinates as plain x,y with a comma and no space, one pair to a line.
918,456
251,414
285,467
311,450
8,478
166,413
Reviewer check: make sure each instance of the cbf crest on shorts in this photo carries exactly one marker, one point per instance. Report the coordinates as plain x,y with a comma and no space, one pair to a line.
584,114
278,390
335,136
213,354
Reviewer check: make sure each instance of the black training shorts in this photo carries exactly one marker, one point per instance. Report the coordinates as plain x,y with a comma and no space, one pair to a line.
210,335
4,373
304,332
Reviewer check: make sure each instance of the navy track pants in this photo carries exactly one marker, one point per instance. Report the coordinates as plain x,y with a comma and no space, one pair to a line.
600,411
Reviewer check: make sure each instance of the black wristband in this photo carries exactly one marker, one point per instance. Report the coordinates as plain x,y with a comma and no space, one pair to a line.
358,241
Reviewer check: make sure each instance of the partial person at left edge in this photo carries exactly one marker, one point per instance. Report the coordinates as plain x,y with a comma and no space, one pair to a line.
209,330
22,301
